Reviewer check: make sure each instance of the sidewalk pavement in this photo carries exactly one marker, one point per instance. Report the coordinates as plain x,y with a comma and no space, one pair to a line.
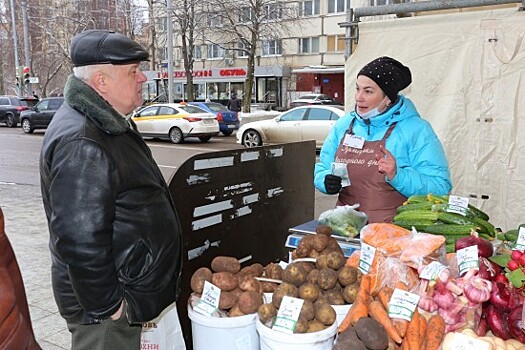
26,228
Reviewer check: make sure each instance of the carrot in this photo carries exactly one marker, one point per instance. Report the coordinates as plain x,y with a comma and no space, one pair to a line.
401,285
384,295
412,335
360,306
422,328
404,345
401,326
378,312
435,332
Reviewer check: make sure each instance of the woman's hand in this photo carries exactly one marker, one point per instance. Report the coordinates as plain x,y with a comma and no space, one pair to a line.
386,163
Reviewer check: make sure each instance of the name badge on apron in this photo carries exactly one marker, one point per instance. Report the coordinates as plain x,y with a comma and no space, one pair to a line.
354,141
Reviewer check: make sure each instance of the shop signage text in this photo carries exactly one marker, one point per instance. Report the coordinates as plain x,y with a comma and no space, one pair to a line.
207,73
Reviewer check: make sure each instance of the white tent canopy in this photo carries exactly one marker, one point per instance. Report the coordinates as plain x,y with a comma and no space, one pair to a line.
468,73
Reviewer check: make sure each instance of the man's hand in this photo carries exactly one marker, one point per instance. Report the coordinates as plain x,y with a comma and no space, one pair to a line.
332,184
386,163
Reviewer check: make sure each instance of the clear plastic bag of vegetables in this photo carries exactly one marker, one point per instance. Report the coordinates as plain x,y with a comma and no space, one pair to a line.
344,220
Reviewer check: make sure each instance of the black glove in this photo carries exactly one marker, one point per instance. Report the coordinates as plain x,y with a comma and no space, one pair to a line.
332,184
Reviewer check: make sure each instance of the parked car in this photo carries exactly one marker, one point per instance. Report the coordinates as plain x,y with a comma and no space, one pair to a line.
298,124
310,99
39,116
12,106
229,121
175,122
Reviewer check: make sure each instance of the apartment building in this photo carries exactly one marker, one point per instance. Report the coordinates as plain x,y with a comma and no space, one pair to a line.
307,57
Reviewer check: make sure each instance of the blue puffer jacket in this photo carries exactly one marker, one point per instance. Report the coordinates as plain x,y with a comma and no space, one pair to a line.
422,166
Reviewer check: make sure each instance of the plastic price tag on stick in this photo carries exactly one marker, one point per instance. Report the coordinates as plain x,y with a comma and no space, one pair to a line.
402,304
520,242
366,258
209,301
467,259
432,271
464,342
288,314
457,205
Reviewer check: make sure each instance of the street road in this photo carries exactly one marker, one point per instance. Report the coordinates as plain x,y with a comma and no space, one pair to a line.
19,153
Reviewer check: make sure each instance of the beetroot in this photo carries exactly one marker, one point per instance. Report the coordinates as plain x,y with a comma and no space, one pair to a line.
485,248
498,324
514,324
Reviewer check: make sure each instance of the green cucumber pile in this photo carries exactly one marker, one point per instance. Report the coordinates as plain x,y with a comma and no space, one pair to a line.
429,213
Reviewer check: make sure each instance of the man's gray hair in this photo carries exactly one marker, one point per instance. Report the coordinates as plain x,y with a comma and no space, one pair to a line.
85,73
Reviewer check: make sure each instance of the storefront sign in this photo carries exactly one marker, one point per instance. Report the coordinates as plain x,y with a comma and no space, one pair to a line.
207,73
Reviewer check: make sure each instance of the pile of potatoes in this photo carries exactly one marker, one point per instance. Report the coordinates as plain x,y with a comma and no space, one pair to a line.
321,284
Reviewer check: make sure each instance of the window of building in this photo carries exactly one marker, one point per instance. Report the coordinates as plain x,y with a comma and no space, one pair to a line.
162,24
336,6
309,8
379,2
335,43
197,52
215,51
243,50
246,14
214,19
273,12
162,53
271,47
308,45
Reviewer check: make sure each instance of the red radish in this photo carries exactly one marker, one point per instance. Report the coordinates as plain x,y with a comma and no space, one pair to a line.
516,254
521,260
501,278
513,265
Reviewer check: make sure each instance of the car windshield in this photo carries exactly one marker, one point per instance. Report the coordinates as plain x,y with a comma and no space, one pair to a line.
216,107
307,97
192,109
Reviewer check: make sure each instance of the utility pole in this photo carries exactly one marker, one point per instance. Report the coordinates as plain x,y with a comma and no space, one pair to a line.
170,50
15,45
29,90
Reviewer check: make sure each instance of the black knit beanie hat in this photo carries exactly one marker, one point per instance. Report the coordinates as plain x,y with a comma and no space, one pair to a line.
390,75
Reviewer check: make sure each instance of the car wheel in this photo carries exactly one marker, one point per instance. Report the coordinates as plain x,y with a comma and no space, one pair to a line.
176,135
27,126
204,138
11,121
251,138
227,133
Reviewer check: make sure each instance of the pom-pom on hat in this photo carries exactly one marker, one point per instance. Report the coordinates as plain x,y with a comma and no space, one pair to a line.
105,47
390,75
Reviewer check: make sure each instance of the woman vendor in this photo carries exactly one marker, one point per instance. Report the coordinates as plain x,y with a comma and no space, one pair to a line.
390,152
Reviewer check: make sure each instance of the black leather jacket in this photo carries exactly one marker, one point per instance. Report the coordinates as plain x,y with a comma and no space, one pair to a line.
114,231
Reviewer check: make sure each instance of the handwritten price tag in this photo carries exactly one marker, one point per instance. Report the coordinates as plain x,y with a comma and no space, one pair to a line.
366,258
520,242
288,315
209,301
457,205
402,304
432,271
467,259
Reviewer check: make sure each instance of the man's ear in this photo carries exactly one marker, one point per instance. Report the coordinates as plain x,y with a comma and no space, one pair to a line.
99,81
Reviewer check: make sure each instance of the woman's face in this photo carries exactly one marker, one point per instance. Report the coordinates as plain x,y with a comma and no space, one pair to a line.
368,95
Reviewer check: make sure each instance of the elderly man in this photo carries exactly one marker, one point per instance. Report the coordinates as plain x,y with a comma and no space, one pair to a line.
115,236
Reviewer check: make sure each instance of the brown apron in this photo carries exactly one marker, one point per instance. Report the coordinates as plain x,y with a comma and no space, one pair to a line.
376,197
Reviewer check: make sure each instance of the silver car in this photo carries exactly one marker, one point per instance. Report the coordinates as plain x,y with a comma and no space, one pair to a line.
311,122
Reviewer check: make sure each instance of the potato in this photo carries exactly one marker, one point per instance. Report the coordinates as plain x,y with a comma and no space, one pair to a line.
284,289
323,230
235,311
315,326
335,297
333,246
268,287
348,340
249,302
225,263
304,246
371,333
313,276
224,280
274,271
247,283
313,254
347,275
267,312
325,314
254,270
323,299
350,292
308,310
327,279
197,279
335,260
320,242
308,266
227,300
301,326
309,291
294,274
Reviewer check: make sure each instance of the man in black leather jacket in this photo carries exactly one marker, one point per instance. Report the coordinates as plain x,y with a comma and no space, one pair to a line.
115,236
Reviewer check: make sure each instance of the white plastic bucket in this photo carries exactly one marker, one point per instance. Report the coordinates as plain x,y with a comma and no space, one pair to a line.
223,333
341,311
275,340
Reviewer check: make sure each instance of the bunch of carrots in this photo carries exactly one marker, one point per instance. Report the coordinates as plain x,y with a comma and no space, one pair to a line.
416,334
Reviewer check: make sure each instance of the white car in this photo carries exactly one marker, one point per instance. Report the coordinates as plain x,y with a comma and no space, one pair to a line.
176,122
313,99
312,122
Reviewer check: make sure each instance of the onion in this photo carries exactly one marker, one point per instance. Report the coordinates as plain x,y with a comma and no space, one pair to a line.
485,248
497,322
515,323
504,297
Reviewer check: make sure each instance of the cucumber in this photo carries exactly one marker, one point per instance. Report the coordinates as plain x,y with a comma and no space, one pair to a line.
414,206
437,199
419,225
417,198
416,215
486,227
450,229
453,218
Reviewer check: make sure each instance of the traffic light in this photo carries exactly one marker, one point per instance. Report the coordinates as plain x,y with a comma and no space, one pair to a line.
19,74
26,75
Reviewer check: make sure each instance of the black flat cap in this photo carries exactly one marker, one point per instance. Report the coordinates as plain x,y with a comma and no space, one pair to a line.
389,74
105,47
